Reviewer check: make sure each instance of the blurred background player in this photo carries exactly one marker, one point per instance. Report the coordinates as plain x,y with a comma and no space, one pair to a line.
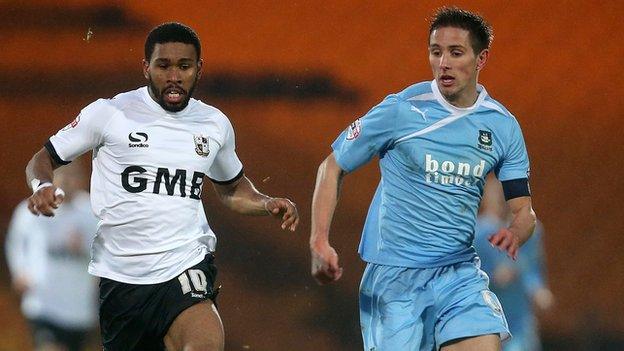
48,258
520,285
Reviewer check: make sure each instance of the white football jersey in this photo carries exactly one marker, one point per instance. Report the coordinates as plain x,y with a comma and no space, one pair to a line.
148,169
52,253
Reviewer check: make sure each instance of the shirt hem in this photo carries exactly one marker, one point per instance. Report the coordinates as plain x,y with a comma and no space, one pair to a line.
503,334
413,264
146,281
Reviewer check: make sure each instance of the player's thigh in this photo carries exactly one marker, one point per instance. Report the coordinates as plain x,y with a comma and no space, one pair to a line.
396,309
197,328
490,342
466,307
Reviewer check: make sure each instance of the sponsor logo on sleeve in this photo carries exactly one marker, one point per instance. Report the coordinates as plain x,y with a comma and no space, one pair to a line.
354,130
202,145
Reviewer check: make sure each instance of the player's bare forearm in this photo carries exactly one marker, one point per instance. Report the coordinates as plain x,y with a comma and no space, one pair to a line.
523,222
523,218
45,198
242,197
41,166
325,267
325,198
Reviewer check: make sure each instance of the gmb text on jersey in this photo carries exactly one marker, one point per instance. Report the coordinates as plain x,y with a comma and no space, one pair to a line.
136,178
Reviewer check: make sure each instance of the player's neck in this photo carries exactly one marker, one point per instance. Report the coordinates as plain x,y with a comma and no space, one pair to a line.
151,93
465,98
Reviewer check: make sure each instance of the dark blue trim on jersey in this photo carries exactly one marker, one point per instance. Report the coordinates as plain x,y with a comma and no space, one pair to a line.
226,182
52,151
516,188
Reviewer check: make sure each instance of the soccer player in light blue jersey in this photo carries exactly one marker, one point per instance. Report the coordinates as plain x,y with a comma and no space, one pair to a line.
436,141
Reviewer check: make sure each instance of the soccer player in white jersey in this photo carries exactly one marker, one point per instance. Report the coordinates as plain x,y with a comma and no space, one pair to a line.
47,258
152,150
422,288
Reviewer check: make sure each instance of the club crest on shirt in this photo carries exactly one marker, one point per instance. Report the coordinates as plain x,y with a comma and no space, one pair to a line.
485,140
354,130
201,145
72,124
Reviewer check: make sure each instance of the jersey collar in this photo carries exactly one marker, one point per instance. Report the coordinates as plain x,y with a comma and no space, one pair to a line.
454,109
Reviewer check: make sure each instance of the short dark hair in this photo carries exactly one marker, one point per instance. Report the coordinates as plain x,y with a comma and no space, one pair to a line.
481,33
171,32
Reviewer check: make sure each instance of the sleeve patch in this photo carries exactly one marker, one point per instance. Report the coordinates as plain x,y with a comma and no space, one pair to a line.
72,124
354,130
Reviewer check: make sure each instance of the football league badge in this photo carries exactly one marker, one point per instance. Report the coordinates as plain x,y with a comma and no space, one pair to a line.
354,130
73,123
201,145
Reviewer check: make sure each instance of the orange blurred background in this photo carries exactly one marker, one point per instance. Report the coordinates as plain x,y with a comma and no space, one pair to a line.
291,76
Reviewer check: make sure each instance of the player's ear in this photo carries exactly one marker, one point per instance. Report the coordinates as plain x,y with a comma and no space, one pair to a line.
200,64
482,59
146,69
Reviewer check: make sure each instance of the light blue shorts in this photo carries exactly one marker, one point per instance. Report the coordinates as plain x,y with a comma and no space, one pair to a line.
413,309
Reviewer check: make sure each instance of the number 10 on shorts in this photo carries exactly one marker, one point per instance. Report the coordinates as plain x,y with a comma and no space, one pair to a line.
197,278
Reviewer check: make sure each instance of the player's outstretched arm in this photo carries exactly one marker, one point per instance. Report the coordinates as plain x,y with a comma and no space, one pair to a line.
39,175
325,267
241,196
519,231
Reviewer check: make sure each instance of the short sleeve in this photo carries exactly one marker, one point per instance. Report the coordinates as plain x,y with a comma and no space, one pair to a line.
368,136
226,167
81,135
515,162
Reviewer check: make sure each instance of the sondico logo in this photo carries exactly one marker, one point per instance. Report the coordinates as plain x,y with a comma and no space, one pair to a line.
138,139
447,172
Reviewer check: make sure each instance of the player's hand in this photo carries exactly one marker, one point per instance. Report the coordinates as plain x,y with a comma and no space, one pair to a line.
21,284
325,268
503,275
543,299
284,209
506,240
45,200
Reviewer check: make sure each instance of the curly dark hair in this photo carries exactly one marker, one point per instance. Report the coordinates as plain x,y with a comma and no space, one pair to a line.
171,32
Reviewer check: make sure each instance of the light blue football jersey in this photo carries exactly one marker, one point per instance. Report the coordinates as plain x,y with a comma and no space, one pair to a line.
434,159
